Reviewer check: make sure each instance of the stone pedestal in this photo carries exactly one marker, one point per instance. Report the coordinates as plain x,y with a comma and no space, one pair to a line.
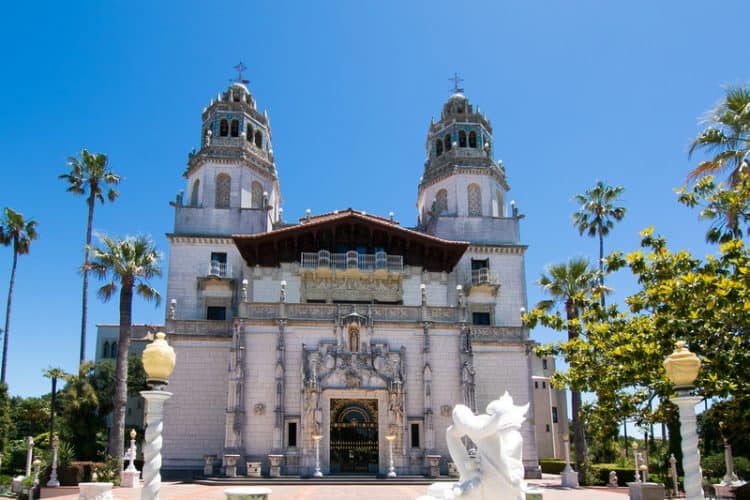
646,491
95,491
230,465
569,478
248,493
130,479
691,463
253,469
433,465
208,465
153,415
275,465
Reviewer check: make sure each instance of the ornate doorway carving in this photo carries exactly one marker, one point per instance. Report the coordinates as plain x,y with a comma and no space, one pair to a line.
354,436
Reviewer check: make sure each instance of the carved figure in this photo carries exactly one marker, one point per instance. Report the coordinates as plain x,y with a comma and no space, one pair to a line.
499,446
208,137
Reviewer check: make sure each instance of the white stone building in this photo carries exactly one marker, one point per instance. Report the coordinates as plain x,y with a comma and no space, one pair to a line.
345,325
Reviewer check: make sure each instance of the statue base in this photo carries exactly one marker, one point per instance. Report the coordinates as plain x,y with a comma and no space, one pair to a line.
444,491
569,478
130,479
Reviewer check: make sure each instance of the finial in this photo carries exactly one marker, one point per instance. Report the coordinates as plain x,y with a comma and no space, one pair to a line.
456,81
240,68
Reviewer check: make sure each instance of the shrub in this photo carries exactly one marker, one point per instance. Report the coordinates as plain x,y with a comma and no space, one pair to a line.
552,465
76,472
109,471
624,474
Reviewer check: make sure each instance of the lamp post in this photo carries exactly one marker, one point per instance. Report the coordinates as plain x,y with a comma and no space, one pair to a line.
635,462
569,477
317,438
391,468
682,368
158,363
53,482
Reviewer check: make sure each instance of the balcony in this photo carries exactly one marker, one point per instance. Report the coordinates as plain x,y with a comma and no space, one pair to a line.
484,280
218,269
351,262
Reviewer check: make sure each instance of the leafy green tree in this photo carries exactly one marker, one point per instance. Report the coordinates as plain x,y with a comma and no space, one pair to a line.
570,285
126,264
597,216
18,232
727,136
53,374
89,176
83,412
30,415
726,207
6,424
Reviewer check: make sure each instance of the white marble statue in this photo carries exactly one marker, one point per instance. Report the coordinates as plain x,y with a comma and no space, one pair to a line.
498,471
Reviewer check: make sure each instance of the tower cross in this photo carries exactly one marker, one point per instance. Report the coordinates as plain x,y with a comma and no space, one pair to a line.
456,81
240,69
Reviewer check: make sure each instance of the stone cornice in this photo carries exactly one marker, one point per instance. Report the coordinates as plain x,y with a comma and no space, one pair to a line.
262,167
200,238
506,249
446,171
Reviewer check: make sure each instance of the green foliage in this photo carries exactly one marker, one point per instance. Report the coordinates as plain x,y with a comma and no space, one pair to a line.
6,423
727,207
30,416
85,405
727,136
552,465
109,471
734,414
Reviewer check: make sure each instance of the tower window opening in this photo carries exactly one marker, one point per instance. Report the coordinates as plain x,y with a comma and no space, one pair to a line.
447,141
439,147
249,133
472,139
258,139
474,199
235,97
105,354
441,201
194,193
256,195
235,128
223,188
461,139
223,128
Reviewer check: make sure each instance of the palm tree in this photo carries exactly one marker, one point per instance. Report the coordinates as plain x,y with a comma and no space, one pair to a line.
727,136
89,175
54,374
569,284
597,217
128,264
20,233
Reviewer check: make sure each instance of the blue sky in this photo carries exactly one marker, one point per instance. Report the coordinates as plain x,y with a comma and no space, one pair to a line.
576,91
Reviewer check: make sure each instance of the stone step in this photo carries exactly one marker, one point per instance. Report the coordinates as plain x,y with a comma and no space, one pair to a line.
342,479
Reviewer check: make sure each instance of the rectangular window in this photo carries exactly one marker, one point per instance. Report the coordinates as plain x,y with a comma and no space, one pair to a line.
536,385
480,318
219,257
554,414
218,313
291,434
544,364
547,427
544,385
480,264
414,435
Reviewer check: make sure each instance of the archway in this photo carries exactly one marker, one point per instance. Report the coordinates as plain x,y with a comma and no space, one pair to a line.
354,436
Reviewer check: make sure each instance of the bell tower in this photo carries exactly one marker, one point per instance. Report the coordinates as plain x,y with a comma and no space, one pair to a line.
462,192
232,182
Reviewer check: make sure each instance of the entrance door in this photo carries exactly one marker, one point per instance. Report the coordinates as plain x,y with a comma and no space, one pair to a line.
354,436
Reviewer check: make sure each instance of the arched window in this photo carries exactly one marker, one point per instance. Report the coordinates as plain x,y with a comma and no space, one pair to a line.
475,200
223,188
223,128
105,353
441,201
472,139
500,204
447,142
194,193
439,147
249,133
258,138
235,128
461,139
256,193
113,350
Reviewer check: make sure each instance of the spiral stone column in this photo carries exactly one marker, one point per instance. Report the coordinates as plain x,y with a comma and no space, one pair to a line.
690,458
154,414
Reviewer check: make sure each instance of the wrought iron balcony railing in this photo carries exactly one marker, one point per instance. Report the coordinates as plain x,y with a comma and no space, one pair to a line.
219,269
352,260
484,276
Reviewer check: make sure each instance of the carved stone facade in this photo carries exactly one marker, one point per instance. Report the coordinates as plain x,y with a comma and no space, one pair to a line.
346,330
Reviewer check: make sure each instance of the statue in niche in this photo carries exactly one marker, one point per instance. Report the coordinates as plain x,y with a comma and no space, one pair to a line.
497,435
396,406
354,337
208,137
